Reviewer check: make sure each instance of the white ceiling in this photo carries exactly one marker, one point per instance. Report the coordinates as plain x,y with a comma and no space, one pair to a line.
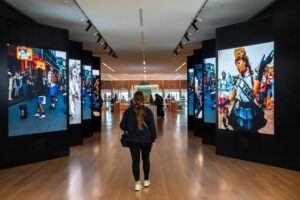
164,24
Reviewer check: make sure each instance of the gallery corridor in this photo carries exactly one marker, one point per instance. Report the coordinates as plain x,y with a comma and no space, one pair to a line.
181,169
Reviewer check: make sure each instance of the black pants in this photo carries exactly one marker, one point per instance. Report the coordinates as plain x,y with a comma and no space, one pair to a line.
160,111
135,150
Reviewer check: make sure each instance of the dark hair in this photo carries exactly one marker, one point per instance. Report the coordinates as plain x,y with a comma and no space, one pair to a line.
138,101
39,72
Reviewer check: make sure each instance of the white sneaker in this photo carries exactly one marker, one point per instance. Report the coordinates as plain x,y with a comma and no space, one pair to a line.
138,186
37,114
42,116
146,183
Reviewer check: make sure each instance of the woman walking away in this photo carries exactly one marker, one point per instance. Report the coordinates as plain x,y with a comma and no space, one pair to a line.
138,121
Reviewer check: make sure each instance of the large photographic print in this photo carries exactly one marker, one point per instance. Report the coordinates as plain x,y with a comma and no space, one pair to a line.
97,99
209,90
37,90
198,91
191,91
75,91
246,88
87,91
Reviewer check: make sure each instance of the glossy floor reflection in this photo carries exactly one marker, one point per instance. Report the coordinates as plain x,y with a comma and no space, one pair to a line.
181,169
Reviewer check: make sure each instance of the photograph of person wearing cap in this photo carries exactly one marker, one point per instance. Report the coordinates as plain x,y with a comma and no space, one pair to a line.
241,99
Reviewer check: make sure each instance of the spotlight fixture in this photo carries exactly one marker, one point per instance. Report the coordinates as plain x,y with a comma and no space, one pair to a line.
186,37
89,25
175,51
194,25
110,53
180,45
102,42
99,38
105,46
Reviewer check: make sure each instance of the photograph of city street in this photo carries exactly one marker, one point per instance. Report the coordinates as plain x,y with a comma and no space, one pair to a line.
36,89
209,90
75,91
246,88
87,91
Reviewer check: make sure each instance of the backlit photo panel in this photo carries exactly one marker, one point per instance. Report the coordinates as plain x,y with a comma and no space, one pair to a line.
74,91
246,88
209,90
198,91
97,101
37,88
87,90
190,91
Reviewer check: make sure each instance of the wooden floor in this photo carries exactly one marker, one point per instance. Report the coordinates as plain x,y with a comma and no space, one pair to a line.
181,168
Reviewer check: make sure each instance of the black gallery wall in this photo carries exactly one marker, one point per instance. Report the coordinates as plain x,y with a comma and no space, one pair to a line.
281,149
32,147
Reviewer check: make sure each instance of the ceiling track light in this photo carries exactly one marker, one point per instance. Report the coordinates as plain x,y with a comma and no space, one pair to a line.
180,45
99,38
195,26
89,25
186,37
188,32
105,46
110,53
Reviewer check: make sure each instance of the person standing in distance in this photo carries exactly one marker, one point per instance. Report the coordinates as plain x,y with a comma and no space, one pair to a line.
138,121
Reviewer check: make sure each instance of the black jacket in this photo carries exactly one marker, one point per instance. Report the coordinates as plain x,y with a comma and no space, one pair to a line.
129,123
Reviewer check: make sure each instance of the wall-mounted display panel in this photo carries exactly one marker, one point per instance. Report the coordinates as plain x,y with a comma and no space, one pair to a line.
246,88
97,101
37,87
209,90
74,91
87,90
198,91
190,91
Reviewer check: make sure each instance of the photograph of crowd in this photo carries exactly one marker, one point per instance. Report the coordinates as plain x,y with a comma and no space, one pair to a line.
36,90
209,90
74,91
96,97
198,91
246,88
190,91
87,91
